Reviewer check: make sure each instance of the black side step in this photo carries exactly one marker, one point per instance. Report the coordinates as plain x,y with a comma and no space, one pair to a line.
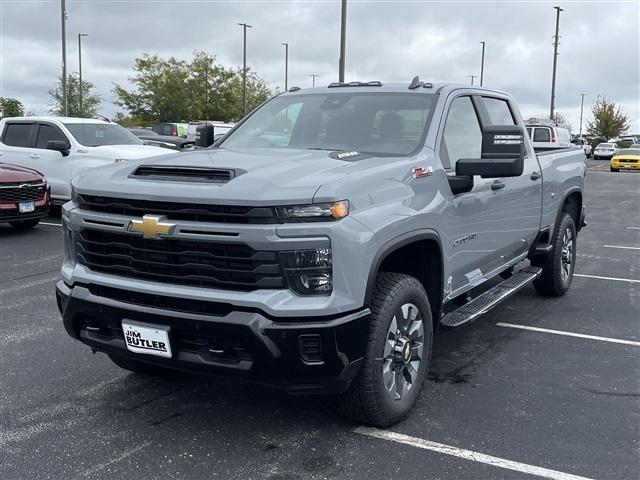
489,299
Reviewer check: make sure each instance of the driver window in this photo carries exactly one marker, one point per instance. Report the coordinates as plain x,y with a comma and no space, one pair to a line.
462,136
47,133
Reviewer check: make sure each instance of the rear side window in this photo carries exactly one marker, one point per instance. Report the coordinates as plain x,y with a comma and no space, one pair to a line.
47,133
541,135
17,134
462,134
499,112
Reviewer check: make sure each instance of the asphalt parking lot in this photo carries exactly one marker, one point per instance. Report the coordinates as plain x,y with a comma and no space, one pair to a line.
500,401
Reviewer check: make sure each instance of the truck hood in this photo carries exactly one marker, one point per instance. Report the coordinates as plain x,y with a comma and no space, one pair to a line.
128,152
13,173
263,176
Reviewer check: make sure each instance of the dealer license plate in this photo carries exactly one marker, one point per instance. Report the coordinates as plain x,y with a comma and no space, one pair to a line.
26,207
146,338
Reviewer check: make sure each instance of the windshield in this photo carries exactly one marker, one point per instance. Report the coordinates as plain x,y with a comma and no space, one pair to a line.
97,134
376,123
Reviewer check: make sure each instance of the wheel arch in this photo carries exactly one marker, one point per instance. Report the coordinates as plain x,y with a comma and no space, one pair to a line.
399,255
572,204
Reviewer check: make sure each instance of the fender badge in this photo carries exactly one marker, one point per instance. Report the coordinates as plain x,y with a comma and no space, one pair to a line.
422,172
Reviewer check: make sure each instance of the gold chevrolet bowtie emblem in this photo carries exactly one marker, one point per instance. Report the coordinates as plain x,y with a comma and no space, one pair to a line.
152,226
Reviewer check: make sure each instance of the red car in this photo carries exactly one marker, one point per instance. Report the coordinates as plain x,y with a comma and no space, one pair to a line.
24,196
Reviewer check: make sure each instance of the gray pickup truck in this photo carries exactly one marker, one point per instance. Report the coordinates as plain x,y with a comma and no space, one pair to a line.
319,245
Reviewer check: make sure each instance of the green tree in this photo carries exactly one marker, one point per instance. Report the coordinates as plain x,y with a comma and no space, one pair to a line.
90,101
609,121
175,90
10,107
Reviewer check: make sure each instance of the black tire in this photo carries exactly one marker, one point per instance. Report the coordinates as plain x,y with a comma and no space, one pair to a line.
614,169
368,400
139,367
557,274
24,224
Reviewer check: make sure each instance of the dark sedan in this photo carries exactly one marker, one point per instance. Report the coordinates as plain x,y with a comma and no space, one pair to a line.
167,141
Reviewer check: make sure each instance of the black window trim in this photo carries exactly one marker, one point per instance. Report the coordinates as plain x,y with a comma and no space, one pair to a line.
32,139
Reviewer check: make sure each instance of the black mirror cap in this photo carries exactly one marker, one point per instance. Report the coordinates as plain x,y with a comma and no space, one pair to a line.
460,183
59,146
503,141
490,168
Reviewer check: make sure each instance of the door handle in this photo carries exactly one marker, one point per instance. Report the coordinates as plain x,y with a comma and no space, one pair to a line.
536,176
34,155
497,185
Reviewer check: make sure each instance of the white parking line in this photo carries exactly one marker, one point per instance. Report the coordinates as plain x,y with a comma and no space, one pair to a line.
630,280
633,228
466,454
569,334
51,224
623,248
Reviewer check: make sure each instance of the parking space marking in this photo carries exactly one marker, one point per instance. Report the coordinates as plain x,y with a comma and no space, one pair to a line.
621,247
466,454
633,228
630,280
51,224
569,334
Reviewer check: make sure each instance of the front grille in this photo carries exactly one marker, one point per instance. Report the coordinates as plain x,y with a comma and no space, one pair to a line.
22,192
184,262
179,211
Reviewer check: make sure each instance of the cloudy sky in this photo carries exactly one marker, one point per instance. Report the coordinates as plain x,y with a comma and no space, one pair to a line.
386,40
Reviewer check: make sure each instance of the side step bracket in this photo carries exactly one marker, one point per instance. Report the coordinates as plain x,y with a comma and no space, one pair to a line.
489,299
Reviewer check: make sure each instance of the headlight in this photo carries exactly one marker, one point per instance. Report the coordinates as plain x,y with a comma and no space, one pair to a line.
318,212
309,272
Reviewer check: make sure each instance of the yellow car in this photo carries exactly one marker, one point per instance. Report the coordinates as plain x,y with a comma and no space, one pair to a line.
626,158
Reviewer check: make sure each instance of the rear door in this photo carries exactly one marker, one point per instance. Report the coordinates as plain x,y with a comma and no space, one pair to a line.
517,200
17,140
55,166
542,137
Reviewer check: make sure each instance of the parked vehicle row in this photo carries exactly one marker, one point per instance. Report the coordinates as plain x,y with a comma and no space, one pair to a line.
319,245
149,137
60,147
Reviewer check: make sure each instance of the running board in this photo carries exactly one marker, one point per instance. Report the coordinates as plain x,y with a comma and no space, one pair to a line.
489,299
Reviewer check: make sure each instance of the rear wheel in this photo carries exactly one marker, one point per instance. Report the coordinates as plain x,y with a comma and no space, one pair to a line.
24,224
138,367
398,353
559,264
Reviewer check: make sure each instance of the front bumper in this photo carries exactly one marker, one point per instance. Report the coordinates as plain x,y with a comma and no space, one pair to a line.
305,355
14,215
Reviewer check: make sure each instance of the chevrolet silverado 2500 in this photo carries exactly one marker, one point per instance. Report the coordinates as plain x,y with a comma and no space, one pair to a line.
319,245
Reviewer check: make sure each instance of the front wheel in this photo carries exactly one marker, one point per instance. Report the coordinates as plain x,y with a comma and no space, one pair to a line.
559,264
397,356
614,169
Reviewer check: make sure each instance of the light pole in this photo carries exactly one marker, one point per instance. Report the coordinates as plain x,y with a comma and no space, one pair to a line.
472,77
286,65
244,66
313,79
80,35
63,19
482,65
555,63
343,40
581,108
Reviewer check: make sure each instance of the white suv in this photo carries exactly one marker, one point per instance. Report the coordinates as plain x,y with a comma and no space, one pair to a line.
61,147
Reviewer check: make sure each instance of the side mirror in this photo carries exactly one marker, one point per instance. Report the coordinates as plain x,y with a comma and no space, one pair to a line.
503,152
61,146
